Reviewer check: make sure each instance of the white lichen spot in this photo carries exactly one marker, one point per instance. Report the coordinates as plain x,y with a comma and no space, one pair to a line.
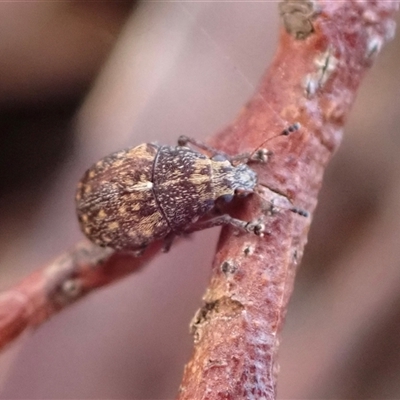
374,46
325,63
310,85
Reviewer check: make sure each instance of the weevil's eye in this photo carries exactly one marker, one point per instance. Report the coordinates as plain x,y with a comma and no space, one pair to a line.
218,157
227,198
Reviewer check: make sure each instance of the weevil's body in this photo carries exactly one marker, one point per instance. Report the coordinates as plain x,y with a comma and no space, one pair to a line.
149,192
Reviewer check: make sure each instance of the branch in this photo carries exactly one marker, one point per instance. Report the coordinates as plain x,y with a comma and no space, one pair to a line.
313,80
84,268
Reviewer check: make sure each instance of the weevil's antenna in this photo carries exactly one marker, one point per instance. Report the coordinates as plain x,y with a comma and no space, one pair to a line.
261,154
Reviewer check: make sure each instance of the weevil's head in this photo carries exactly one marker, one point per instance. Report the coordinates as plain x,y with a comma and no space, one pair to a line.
229,180
245,179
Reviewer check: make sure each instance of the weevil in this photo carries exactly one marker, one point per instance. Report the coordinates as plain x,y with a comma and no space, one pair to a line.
136,196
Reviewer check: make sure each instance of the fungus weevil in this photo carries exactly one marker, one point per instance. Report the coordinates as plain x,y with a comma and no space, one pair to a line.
149,192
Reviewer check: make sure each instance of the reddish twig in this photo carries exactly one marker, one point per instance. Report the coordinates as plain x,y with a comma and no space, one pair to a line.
67,279
313,80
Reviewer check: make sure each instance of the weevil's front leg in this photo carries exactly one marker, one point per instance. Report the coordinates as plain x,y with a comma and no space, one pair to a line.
184,140
261,155
255,227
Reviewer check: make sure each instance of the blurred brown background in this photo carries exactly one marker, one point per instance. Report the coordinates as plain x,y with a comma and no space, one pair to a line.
79,80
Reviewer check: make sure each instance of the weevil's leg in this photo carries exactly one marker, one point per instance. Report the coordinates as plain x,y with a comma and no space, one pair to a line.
261,155
168,240
254,227
184,140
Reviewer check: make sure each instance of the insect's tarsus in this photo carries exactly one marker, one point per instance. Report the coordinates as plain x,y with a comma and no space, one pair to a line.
184,140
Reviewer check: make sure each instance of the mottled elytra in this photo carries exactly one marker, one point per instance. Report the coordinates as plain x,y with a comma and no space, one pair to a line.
136,196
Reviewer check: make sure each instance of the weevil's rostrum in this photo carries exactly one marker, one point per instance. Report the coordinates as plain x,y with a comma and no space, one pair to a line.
149,192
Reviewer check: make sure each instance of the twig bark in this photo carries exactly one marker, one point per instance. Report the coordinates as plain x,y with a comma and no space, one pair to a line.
313,80
84,268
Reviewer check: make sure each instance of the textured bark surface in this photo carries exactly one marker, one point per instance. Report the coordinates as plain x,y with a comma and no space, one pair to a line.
312,81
